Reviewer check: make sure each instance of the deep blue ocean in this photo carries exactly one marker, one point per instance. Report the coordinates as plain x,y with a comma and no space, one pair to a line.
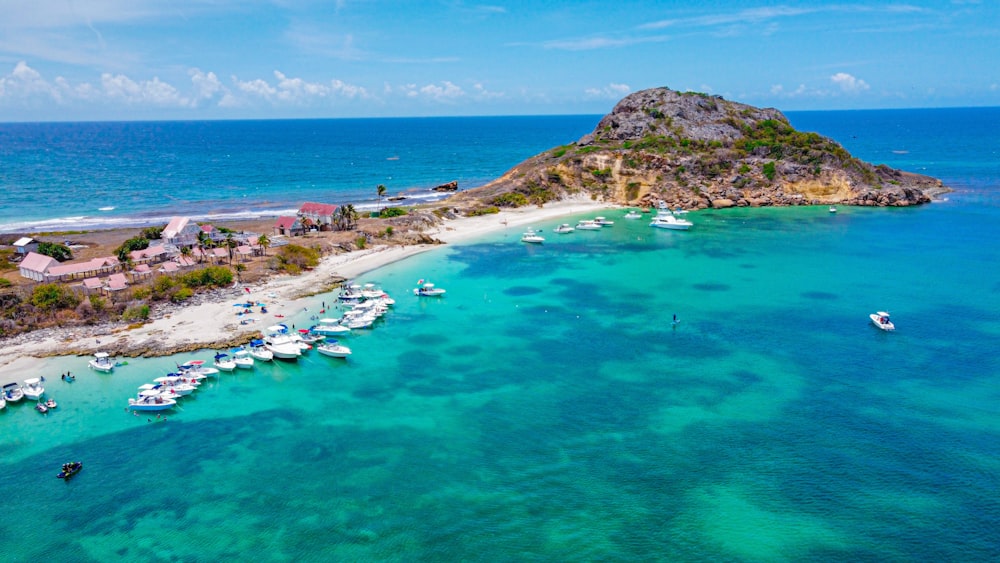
71,175
545,409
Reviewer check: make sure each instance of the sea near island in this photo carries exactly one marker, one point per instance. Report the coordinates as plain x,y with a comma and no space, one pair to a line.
546,408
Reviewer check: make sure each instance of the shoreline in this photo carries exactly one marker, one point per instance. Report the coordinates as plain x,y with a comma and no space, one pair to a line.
170,332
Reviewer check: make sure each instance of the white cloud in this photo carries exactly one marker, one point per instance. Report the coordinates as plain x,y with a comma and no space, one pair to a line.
446,92
612,91
779,91
206,84
24,82
119,87
296,91
848,83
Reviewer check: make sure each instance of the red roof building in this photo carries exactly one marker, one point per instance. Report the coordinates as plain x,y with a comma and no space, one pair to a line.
288,226
320,214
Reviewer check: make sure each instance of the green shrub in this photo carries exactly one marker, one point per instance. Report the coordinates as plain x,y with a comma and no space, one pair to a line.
60,252
53,296
393,212
293,258
98,303
181,295
360,242
511,199
132,244
483,211
769,170
139,313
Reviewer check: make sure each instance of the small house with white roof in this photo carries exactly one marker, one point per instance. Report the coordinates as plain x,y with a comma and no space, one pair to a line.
24,245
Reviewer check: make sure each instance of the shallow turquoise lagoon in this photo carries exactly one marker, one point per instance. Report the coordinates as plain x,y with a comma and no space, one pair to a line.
547,408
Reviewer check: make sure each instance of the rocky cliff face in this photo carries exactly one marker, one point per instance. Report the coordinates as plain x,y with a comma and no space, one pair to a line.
698,151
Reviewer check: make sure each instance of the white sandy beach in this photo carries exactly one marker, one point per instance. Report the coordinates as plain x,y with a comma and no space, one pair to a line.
215,320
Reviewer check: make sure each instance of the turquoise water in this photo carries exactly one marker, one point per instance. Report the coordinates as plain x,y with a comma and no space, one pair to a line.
547,409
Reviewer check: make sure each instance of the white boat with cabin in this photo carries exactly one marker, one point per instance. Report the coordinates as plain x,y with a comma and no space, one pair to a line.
428,290
258,351
603,221
12,392
151,401
531,237
281,344
587,225
669,221
633,214
102,362
881,320
563,229
224,362
333,349
197,367
329,327
242,358
33,388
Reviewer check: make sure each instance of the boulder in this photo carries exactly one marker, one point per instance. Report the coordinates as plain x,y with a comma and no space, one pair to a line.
449,187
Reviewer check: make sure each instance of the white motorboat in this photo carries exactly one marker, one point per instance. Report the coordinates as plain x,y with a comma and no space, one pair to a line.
310,337
350,294
242,358
563,229
587,225
3,402
224,362
603,221
33,388
197,367
680,211
258,351
633,214
669,221
170,386
281,344
329,327
530,236
151,401
102,362
12,392
428,290
833,209
333,349
881,320
177,380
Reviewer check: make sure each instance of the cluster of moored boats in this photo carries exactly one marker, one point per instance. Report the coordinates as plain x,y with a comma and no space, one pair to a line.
164,392
31,389
664,219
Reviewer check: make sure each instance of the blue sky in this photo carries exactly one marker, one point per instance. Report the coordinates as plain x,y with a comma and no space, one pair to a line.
228,59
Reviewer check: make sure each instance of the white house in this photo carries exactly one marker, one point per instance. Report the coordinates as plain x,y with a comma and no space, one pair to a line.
24,245
180,231
36,266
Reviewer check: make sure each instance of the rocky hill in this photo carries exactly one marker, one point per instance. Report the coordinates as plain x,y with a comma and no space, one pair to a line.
697,151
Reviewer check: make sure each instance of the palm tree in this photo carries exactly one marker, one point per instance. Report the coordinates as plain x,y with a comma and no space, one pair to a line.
381,192
346,217
230,246
204,241
263,242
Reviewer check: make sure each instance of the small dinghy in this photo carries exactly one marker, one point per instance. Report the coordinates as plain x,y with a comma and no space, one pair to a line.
70,469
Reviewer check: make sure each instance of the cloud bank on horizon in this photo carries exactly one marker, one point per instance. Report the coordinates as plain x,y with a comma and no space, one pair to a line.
195,59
